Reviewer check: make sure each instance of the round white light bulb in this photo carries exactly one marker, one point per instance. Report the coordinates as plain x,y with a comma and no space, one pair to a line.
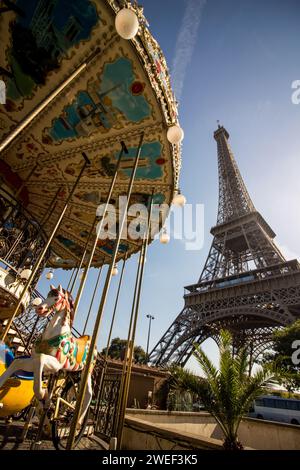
179,200
115,270
175,134
126,23
164,238
26,273
49,275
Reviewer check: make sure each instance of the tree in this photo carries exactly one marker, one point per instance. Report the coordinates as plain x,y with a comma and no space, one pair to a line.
117,350
282,354
173,393
227,392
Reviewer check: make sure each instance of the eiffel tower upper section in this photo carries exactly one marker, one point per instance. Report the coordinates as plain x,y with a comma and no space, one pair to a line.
234,200
246,285
243,240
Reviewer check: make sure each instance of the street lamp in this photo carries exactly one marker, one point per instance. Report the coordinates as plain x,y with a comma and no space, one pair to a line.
150,319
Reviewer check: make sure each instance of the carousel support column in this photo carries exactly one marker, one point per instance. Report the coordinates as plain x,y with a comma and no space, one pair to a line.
76,272
31,116
99,228
104,369
92,301
71,277
121,388
129,357
90,358
45,249
115,307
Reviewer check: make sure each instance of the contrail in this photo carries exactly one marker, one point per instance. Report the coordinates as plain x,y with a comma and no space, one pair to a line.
186,41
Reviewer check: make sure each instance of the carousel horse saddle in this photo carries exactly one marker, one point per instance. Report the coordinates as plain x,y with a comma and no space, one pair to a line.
81,347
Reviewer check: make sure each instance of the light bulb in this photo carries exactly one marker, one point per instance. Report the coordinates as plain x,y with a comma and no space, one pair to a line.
164,237
37,301
179,199
49,275
175,134
26,273
126,23
114,270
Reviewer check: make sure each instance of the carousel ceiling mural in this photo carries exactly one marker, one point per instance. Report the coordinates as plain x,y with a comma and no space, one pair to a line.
123,91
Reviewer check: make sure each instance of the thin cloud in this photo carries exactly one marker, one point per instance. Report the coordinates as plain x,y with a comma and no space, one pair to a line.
185,44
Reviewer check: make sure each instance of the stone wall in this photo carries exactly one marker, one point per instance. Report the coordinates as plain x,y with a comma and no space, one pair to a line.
200,429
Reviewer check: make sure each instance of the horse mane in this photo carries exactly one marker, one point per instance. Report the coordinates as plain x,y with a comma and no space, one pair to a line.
72,305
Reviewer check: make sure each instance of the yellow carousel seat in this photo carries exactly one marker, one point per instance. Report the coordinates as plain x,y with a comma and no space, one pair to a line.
17,392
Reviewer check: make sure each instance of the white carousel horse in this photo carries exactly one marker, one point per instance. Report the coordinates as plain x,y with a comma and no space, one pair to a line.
56,349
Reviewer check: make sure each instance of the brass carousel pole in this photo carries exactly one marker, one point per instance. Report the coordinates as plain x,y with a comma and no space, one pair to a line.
104,369
71,277
115,307
83,256
45,249
99,228
131,333
121,388
92,301
31,116
86,370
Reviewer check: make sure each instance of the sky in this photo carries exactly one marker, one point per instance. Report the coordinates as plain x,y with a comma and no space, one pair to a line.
233,61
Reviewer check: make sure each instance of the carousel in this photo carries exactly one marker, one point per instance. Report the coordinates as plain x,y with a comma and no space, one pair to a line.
89,120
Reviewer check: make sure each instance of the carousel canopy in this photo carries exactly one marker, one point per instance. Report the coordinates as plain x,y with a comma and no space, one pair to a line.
123,91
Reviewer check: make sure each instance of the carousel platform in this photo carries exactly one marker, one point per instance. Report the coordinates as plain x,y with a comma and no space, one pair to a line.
10,439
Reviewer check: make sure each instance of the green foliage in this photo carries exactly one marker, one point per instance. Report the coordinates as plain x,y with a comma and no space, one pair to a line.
117,350
179,391
183,389
281,356
229,391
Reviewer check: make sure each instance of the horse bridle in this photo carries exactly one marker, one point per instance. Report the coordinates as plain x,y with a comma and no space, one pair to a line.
62,303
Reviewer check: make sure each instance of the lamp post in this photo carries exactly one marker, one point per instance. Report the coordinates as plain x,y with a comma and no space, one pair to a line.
150,319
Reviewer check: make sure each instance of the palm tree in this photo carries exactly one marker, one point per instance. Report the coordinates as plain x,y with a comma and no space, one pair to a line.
228,392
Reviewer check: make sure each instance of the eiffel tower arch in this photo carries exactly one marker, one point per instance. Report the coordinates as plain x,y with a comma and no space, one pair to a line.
246,286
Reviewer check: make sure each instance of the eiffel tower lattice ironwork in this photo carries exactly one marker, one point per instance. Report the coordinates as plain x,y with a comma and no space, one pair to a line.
246,286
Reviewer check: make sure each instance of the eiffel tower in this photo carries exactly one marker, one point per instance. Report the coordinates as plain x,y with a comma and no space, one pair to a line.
246,286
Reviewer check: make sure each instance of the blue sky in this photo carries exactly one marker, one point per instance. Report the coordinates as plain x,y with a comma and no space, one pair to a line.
245,58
